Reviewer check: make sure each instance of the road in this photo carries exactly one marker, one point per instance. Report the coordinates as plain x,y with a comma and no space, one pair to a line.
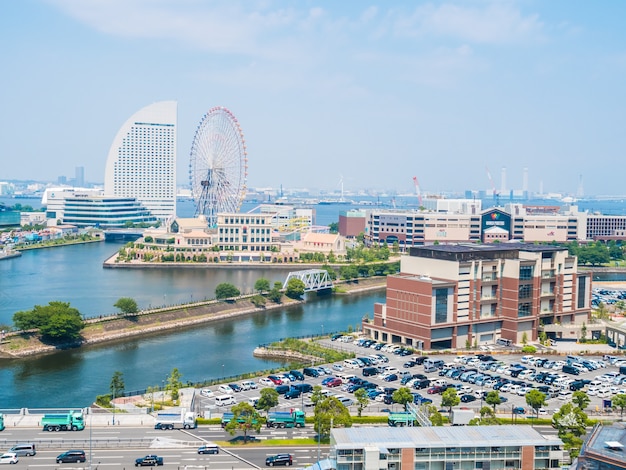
118,447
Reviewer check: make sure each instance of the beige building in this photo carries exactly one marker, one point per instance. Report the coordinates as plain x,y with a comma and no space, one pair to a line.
322,243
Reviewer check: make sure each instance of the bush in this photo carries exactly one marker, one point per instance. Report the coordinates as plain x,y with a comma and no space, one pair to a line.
529,349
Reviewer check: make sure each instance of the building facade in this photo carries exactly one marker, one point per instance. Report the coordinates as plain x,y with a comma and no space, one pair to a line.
512,222
444,448
351,223
142,160
454,296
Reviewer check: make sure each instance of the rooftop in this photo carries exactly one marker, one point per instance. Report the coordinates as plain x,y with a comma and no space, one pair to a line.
436,437
468,252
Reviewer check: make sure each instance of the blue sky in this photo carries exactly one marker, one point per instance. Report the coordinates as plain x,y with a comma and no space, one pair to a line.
372,92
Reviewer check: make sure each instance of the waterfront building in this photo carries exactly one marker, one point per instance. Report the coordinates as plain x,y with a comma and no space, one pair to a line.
89,208
465,223
351,223
603,449
444,448
289,221
142,160
8,218
322,243
452,296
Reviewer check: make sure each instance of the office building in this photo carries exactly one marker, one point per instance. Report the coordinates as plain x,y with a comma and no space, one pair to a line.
454,296
444,448
142,160
460,222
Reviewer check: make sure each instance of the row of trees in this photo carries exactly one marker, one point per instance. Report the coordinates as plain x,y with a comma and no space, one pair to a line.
596,253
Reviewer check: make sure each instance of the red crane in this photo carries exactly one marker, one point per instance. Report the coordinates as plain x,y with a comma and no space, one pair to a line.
417,190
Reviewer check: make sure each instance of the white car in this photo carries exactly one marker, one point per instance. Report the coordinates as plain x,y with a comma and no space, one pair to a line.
9,457
248,385
225,389
207,393
265,382
338,367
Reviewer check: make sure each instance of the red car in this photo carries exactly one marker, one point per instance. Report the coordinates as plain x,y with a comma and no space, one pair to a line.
434,390
275,379
336,382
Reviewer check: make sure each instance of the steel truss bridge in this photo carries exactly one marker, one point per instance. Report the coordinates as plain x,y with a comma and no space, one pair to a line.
314,279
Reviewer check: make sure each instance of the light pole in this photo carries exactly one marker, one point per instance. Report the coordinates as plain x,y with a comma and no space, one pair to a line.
322,329
223,371
90,446
162,393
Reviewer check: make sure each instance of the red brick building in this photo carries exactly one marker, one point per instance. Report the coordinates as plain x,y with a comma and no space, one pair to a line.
453,296
351,223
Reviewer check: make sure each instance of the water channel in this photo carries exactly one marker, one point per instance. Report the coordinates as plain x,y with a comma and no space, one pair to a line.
74,274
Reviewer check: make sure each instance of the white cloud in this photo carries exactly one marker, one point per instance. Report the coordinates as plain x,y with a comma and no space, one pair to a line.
490,23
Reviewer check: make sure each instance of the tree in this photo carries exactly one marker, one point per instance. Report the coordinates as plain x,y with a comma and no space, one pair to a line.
450,398
435,417
295,288
174,383
262,285
333,227
245,418
488,415
570,422
330,412
580,399
56,321
268,399
402,396
619,401
583,333
362,400
117,384
493,399
225,290
275,295
535,399
126,305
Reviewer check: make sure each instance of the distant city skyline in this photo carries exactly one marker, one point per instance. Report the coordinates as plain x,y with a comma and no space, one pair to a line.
328,93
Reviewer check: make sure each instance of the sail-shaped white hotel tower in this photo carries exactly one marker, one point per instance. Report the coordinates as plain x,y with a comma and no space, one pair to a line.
142,159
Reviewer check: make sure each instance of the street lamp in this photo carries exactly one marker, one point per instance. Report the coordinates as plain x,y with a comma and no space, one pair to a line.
223,375
322,329
162,393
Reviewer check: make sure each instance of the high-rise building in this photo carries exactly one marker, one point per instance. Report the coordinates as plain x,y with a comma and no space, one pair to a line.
142,159
79,179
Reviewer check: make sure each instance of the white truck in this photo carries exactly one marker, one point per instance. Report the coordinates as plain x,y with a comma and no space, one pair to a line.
461,417
175,419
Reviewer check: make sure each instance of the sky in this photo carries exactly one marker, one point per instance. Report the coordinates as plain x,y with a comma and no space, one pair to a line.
364,94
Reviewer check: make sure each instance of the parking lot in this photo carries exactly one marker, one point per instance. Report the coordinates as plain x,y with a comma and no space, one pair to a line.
381,371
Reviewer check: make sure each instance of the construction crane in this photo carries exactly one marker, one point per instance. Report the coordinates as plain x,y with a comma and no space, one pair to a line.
493,186
417,191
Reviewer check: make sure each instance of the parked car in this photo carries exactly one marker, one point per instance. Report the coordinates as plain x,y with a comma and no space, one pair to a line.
293,393
276,380
235,387
265,382
467,398
224,389
207,393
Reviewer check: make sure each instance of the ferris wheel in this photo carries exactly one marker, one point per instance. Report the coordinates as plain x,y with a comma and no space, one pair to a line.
219,165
